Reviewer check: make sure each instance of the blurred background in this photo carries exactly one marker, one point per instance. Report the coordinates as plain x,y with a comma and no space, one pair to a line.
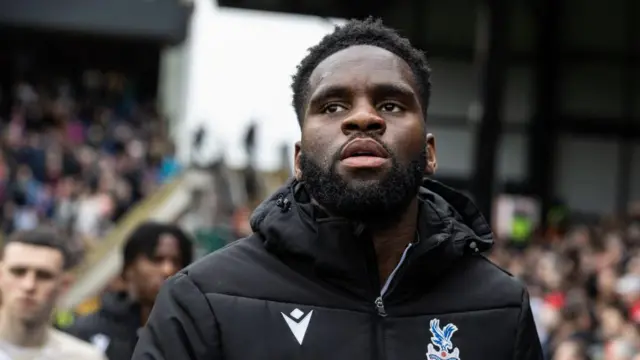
120,111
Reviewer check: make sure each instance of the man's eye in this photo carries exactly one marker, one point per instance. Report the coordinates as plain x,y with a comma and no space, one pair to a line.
391,107
333,108
18,271
44,275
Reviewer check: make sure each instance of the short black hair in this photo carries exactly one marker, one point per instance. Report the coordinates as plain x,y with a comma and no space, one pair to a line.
361,32
144,240
42,236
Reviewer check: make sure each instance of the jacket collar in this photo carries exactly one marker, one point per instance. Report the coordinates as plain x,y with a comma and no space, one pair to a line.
341,252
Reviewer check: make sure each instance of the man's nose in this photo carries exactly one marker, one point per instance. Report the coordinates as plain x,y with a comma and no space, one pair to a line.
168,268
28,282
364,118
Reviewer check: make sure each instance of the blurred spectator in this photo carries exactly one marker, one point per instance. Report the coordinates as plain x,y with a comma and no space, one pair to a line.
571,350
241,224
32,277
152,253
585,288
78,154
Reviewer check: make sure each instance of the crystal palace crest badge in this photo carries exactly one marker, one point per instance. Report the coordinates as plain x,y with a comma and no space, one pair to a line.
441,347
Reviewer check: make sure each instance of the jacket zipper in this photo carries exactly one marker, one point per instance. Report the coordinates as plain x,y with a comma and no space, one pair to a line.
379,302
382,312
389,284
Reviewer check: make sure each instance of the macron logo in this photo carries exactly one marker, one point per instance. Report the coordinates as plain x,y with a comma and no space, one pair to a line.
297,323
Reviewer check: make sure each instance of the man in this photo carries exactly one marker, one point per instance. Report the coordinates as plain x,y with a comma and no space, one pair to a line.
152,253
33,274
358,257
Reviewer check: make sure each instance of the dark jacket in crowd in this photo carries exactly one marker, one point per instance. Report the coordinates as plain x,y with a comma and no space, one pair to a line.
113,328
306,286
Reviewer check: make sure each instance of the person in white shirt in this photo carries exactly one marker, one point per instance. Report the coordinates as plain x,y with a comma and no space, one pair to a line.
33,274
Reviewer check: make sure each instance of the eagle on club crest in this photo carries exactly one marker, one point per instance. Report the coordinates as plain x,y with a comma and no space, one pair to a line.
441,338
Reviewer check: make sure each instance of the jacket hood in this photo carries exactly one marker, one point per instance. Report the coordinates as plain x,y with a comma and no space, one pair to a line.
450,226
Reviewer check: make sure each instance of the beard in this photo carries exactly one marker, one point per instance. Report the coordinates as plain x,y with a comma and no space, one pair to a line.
380,202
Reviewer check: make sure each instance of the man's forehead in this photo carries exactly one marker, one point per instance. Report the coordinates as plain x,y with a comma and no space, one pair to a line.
364,61
166,242
19,254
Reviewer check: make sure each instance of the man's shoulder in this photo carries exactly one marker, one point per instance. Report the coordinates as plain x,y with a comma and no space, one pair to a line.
75,348
485,286
484,280
237,251
86,326
236,268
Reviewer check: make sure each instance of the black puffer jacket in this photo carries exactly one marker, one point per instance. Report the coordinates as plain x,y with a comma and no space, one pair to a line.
113,328
306,287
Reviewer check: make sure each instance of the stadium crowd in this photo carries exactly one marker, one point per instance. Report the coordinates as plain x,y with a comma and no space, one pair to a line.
584,283
78,154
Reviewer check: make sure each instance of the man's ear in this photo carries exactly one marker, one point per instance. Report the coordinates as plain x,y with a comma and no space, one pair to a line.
296,161
432,162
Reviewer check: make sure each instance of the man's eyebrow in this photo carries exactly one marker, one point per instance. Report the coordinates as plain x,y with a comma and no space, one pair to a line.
327,92
394,90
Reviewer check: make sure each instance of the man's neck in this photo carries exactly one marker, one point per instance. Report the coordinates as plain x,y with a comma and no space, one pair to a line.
17,333
144,307
391,243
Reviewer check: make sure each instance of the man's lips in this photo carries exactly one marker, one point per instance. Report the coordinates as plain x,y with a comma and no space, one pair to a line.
363,148
364,153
